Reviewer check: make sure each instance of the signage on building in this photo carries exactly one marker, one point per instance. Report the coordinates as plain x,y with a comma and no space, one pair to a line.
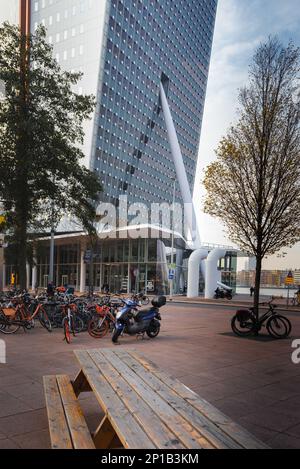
87,256
171,274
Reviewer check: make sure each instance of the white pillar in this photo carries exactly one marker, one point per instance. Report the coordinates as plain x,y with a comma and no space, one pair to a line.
34,272
82,271
27,276
34,277
193,272
212,275
180,171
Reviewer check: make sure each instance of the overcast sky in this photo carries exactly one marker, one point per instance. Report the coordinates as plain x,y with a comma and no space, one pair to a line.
240,27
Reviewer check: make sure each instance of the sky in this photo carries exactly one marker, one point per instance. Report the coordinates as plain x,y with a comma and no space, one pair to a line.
241,25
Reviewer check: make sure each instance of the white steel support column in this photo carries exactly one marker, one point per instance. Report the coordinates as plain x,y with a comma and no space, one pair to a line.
193,272
180,171
212,275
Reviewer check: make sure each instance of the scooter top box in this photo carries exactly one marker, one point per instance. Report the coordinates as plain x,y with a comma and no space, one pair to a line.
159,301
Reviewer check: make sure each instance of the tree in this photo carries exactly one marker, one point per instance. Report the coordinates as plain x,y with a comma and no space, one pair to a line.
254,186
40,141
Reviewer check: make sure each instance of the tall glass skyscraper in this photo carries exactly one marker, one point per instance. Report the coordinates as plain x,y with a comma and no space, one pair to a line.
125,48
147,63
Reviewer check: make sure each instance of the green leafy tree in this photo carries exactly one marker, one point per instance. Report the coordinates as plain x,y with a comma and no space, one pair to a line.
254,186
41,117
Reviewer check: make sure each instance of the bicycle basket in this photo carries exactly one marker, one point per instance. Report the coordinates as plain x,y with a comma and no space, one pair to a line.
243,315
10,312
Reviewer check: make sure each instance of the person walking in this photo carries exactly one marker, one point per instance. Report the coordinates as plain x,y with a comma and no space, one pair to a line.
251,291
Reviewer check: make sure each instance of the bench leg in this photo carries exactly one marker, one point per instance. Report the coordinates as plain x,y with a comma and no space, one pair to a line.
105,436
80,384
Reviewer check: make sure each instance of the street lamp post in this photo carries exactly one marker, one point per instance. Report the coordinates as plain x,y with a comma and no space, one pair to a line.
172,248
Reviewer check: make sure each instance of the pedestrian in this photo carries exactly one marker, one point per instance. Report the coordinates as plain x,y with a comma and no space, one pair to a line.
251,291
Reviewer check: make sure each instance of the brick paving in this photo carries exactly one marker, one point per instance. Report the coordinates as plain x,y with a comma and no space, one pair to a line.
252,380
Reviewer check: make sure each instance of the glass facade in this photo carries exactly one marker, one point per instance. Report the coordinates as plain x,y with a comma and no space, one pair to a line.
127,265
124,48
148,39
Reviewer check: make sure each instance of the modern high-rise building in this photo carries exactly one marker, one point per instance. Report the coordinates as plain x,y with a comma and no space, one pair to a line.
124,49
133,54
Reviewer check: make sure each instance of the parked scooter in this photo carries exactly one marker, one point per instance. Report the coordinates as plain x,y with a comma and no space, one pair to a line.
131,321
222,293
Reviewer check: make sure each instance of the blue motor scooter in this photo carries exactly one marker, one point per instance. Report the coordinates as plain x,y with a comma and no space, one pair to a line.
131,321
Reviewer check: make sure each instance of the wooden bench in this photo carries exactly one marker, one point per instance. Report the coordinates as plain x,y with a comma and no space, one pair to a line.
146,408
67,425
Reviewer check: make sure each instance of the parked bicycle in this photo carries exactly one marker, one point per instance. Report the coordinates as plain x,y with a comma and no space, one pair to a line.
141,298
8,323
69,322
103,321
246,322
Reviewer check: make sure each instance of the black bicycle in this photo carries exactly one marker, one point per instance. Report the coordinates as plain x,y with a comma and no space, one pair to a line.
246,322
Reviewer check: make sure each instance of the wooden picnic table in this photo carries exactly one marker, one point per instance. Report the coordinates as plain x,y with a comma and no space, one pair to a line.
146,408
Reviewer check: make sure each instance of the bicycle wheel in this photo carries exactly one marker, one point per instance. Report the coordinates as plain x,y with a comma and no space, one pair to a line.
78,324
45,321
67,331
279,327
58,320
243,326
7,326
98,327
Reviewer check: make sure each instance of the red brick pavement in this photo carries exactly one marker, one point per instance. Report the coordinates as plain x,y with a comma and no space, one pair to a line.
252,380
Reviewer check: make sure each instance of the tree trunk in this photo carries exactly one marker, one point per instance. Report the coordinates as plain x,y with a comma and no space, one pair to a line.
22,154
257,284
21,241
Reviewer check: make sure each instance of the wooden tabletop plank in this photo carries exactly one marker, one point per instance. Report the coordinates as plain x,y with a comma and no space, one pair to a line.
159,433
227,425
59,432
80,434
183,430
203,425
126,427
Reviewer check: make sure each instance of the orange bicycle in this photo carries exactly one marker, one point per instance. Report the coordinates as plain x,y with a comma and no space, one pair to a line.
101,322
26,318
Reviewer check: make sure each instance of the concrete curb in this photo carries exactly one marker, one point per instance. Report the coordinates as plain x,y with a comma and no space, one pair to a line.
228,304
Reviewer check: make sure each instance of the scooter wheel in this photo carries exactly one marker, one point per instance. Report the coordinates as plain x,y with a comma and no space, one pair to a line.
153,330
116,334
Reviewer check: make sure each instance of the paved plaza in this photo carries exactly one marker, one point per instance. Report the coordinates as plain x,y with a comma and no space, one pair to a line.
252,380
